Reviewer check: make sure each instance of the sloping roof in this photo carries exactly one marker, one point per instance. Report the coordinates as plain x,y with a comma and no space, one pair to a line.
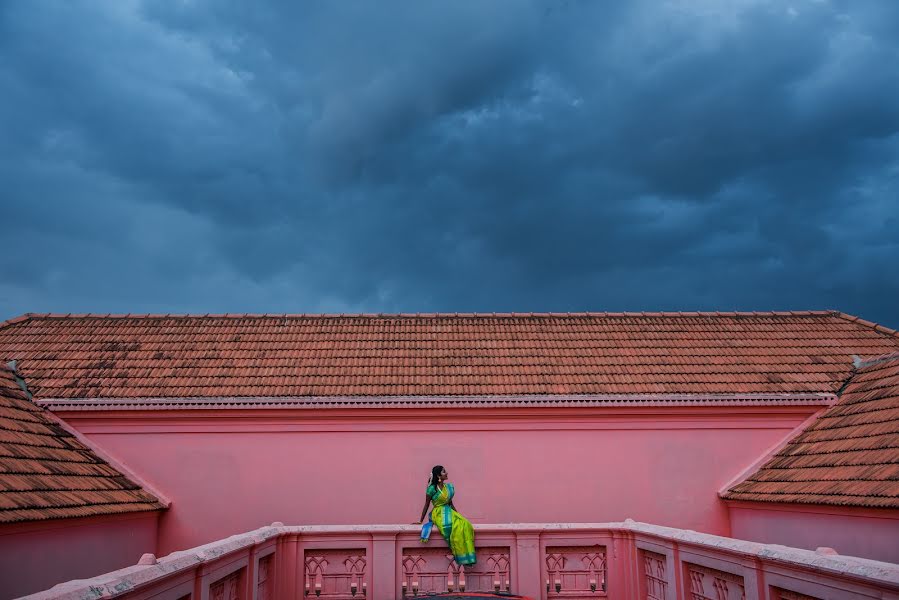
162,356
848,456
47,473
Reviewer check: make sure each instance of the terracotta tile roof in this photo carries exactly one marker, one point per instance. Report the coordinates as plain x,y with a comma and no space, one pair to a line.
164,356
847,456
47,473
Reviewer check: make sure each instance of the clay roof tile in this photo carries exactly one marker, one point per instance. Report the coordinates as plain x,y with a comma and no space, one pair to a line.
849,456
129,356
47,473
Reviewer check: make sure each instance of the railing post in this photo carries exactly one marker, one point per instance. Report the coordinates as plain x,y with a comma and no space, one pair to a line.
528,570
278,575
621,559
250,579
677,576
759,583
299,569
198,592
288,561
383,566
633,562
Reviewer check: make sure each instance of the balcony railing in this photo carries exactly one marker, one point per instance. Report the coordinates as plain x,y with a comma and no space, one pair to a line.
619,561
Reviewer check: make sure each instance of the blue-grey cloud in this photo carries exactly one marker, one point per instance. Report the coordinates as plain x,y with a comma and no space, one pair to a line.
549,155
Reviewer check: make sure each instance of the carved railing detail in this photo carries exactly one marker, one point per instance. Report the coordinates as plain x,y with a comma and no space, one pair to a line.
433,570
226,588
499,565
264,578
654,576
712,584
335,574
575,571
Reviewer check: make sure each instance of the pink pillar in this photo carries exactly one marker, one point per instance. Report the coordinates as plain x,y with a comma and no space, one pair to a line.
528,571
289,572
383,566
278,575
760,579
677,579
299,569
250,579
633,564
621,557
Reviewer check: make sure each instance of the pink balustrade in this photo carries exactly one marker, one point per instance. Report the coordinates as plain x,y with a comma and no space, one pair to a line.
617,561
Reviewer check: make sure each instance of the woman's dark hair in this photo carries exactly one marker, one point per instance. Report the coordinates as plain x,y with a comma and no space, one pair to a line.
435,475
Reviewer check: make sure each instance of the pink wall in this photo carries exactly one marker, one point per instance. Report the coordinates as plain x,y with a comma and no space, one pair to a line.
35,556
228,471
854,532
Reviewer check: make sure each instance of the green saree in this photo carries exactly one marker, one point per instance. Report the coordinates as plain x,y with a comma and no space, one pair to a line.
455,529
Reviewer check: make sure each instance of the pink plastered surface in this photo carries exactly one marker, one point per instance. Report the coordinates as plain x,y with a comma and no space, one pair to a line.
228,471
37,555
866,533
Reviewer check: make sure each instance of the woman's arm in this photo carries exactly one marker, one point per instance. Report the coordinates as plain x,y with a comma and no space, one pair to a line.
425,509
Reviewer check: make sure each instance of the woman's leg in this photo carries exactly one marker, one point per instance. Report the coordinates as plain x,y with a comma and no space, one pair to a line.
462,540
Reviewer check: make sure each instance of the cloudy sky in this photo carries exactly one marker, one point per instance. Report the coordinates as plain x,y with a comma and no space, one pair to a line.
357,156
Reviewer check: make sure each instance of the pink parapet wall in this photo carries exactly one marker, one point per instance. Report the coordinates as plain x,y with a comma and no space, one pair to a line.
543,561
230,470
37,555
867,533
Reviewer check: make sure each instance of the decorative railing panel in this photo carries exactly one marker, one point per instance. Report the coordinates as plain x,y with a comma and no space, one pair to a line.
575,571
227,588
655,580
712,584
335,574
433,570
264,579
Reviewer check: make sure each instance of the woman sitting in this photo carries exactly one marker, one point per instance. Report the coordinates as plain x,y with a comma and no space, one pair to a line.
455,529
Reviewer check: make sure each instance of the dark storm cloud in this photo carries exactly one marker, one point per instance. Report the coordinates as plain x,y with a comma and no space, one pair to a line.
355,156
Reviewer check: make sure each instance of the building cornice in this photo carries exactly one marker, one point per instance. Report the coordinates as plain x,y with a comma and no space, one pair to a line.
394,402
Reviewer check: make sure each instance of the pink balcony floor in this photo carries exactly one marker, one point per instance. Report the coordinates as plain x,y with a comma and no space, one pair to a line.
574,561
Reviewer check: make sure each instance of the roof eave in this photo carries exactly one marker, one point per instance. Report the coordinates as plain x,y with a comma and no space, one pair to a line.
343,402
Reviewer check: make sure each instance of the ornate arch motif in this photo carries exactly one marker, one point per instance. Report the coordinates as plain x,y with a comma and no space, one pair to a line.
226,588
654,576
336,574
712,584
263,578
575,571
434,570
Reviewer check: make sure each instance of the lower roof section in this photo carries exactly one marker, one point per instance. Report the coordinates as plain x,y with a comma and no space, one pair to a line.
849,456
48,471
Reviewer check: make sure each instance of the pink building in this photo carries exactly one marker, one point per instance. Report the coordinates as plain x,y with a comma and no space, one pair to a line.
124,435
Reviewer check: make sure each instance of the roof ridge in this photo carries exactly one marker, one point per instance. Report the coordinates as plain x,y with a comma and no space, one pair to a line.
16,320
871,324
889,356
440,315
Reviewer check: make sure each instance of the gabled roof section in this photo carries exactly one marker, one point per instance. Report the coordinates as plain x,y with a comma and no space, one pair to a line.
849,456
46,472
240,356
